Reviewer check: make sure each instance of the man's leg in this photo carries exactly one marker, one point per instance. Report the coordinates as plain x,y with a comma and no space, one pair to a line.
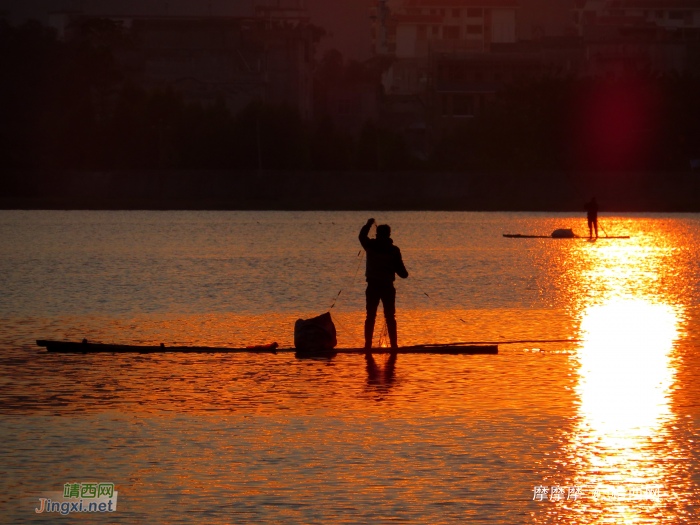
390,369
373,298
590,228
389,303
373,375
595,223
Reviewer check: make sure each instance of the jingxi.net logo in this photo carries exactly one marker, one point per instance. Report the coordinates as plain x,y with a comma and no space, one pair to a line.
79,497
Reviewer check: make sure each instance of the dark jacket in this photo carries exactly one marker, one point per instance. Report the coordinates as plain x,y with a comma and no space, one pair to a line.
383,258
592,209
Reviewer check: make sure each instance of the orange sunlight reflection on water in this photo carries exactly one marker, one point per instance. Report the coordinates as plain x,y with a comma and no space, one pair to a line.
625,366
626,372
625,375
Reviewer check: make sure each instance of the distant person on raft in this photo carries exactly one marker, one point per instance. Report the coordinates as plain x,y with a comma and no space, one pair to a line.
383,263
592,210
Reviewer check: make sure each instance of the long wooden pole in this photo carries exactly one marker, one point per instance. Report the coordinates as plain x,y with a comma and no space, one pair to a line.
530,341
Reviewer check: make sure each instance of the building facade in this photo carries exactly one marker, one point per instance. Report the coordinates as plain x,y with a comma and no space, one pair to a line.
449,60
415,28
625,36
649,19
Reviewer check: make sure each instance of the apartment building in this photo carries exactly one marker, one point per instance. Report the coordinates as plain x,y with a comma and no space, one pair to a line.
623,36
449,60
421,26
651,19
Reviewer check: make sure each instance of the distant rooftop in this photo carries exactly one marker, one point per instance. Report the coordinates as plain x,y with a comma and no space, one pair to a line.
654,4
461,3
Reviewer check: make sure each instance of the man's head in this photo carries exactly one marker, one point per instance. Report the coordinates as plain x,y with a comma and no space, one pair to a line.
383,231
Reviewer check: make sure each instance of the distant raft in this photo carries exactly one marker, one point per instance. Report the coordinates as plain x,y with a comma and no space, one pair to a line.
562,233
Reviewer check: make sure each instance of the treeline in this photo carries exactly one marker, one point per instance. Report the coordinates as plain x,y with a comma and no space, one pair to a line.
67,105
643,121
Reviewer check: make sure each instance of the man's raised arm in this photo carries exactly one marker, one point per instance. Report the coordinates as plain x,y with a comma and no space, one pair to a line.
364,239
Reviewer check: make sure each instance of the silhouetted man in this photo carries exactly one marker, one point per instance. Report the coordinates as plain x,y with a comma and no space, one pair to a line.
383,263
592,209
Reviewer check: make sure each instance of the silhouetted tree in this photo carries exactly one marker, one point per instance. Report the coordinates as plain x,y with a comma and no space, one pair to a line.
50,98
638,122
273,135
329,149
66,105
381,149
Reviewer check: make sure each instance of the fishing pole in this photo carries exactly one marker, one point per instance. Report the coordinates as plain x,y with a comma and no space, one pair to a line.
421,290
602,228
360,257
514,342
337,320
348,286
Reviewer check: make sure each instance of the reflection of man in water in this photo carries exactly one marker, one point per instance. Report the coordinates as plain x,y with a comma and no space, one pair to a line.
383,263
592,209
375,377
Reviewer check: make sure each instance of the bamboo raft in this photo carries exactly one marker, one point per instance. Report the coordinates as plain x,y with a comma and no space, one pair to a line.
521,236
68,347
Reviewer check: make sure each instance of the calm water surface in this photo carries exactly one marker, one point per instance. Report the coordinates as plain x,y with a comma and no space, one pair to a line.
431,439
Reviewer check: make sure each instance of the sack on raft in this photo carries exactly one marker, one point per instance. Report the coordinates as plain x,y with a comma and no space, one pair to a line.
317,334
563,234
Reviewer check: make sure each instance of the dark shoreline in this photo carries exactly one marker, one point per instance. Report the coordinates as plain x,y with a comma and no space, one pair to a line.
674,192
